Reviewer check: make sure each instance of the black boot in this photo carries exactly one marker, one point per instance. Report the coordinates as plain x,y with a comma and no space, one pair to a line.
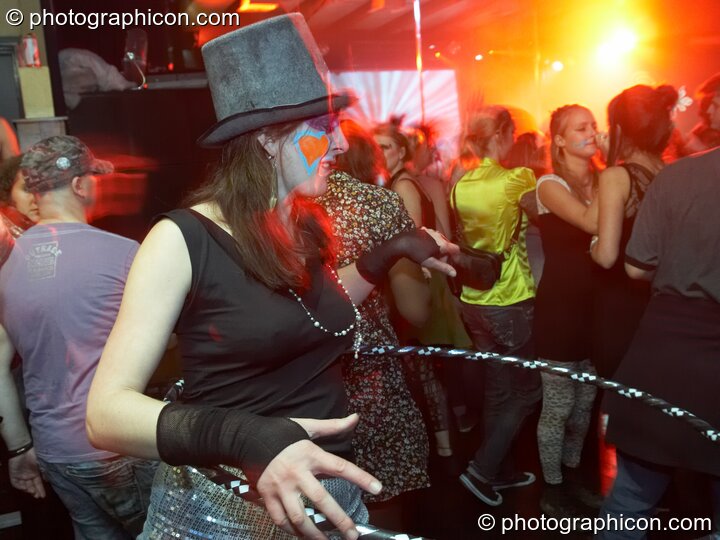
581,490
558,501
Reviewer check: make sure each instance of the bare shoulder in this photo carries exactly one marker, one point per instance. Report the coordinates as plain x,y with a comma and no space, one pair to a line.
163,247
615,182
614,176
405,186
165,230
552,184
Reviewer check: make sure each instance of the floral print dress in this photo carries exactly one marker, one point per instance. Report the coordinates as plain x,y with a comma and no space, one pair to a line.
390,440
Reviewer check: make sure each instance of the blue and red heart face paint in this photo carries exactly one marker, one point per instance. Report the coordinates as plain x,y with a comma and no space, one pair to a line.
312,145
312,142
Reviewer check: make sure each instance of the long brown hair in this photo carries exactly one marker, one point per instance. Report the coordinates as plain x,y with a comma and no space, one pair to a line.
242,185
363,159
8,173
392,129
640,118
558,125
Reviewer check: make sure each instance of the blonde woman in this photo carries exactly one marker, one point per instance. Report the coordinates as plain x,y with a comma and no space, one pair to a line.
564,301
490,201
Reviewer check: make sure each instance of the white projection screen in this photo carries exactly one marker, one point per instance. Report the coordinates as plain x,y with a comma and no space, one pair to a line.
386,93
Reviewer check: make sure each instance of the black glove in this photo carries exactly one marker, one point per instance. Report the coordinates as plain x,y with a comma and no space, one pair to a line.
207,436
416,244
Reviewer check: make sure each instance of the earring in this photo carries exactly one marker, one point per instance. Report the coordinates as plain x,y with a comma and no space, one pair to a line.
273,194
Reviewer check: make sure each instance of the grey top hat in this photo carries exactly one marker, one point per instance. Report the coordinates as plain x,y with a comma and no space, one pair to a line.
267,73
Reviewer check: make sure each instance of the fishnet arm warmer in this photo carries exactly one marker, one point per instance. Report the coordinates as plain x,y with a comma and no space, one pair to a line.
415,244
207,436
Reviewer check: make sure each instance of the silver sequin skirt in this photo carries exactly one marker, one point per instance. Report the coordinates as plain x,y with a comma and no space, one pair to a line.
186,505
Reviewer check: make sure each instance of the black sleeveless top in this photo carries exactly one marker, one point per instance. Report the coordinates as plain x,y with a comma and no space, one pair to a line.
426,206
245,346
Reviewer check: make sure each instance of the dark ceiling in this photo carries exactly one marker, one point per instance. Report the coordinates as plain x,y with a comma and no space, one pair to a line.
380,34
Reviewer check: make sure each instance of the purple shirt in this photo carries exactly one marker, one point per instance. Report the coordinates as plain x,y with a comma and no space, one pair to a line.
60,293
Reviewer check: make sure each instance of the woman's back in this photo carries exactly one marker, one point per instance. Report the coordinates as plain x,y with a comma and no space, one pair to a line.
487,200
620,301
427,208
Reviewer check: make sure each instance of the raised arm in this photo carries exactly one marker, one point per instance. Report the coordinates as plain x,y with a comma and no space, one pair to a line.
564,205
614,190
422,246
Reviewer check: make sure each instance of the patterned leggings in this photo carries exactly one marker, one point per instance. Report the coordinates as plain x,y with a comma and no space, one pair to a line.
421,372
564,421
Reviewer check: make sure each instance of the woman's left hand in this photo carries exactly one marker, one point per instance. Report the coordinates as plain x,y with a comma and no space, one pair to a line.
293,473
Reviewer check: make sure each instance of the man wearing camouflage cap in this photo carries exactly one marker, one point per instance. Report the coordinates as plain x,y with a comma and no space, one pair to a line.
60,291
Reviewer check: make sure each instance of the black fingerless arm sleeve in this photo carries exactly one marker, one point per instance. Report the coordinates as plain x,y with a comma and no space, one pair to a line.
206,436
415,244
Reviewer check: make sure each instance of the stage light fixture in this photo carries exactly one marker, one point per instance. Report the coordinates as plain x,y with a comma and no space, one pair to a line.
621,42
247,6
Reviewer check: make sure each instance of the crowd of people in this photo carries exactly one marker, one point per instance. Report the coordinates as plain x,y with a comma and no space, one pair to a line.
292,256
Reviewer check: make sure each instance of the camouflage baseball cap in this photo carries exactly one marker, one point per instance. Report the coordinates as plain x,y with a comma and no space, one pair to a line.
55,161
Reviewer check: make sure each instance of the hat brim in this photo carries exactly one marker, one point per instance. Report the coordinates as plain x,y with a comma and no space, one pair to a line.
243,122
100,166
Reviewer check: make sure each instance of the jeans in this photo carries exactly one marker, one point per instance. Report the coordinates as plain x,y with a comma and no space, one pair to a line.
106,499
638,488
511,393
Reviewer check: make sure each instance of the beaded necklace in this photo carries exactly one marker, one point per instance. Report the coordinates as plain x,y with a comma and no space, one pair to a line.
357,341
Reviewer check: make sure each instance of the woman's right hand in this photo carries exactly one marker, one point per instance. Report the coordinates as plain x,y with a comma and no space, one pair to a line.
293,472
602,140
447,248
422,246
25,474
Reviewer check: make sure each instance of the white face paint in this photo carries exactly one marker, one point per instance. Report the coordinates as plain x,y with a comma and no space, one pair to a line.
579,136
392,151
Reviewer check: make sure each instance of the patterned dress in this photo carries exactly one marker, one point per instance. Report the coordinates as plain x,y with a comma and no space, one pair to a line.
390,439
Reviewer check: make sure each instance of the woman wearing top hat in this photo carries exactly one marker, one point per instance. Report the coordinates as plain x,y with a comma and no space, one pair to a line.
245,278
